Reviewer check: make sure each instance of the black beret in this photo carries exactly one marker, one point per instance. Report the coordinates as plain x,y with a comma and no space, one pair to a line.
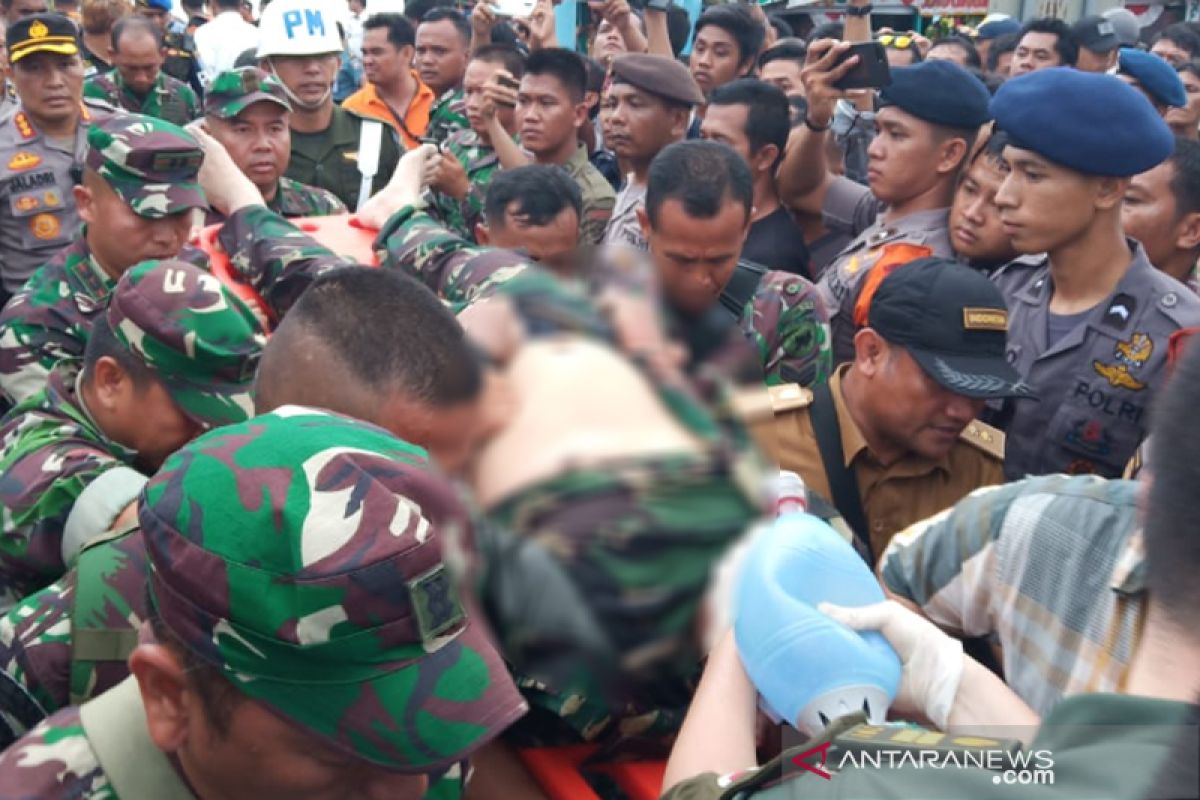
940,92
1092,123
659,75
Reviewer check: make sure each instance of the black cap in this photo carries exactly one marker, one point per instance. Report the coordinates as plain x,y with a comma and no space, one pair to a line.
940,92
42,33
954,323
1096,34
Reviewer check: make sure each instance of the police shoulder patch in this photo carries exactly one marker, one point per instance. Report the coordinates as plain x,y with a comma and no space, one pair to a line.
984,437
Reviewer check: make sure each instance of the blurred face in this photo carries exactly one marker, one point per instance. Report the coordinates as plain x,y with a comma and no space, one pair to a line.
552,244
546,116
1150,214
383,62
716,58
1185,121
156,424
639,123
50,86
441,55
910,409
118,237
727,124
478,74
1035,51
695,257
949,51
310,78
902,157
259,141
1004,64
139,60
156,15
25,8
975,228
451,434
784,73
1165,48
608,43
1042,205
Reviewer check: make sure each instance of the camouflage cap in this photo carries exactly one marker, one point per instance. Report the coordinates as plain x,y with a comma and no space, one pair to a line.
201,341
151,164
300,553
235,90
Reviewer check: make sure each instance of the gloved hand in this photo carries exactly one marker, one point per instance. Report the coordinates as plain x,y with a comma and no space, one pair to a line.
932,662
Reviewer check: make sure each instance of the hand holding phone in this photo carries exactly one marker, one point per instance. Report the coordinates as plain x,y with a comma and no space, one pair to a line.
871,71
514,8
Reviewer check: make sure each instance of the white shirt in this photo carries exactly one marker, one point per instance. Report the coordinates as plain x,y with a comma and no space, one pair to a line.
220,41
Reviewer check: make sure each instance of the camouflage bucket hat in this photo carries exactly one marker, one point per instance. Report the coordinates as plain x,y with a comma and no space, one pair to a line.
300,553
151,164
200,339
233,91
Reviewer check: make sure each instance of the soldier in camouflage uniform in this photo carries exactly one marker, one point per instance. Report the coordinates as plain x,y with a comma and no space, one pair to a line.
247,111
181,62
129,85
448,115
151,166
458,203
75,454
265,600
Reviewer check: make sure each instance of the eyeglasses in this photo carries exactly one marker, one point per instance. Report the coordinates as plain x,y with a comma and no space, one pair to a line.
898,42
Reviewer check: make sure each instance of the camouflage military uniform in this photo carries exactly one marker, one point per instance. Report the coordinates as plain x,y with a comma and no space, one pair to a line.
294,199
63,479
48,319
266,611
480,161
169,99
448,116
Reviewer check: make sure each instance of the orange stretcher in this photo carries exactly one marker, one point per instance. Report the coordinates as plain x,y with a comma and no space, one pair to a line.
559,772
343,234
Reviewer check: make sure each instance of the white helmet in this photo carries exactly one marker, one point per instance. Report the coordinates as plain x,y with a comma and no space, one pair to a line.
299,28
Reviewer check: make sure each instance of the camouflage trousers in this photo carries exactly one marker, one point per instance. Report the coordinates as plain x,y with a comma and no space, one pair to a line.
593,581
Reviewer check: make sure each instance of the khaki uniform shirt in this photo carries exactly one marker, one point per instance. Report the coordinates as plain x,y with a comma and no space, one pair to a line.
893,496
598,196
850,208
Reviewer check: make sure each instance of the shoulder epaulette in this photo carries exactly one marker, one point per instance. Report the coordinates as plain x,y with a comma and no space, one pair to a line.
984,437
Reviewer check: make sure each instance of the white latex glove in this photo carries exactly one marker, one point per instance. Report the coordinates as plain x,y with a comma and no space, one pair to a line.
932,662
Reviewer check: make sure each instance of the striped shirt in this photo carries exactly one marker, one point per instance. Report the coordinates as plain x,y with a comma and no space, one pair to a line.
1052,567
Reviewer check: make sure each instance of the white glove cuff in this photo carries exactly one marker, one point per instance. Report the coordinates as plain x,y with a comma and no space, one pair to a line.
936,670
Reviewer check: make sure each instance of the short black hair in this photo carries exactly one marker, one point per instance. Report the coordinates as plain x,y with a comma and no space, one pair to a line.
400,32
738,22
229,5
133,23
767,111
701,175
968,47
1192,65
416,10
783,28
1064,42
1182,35
1185,186
565,65
1005,43
1172,546
196,5
790,49
541,192
505,55
826,30
102,343
454,17
413,344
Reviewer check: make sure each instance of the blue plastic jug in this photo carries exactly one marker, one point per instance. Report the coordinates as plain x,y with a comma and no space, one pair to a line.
809,668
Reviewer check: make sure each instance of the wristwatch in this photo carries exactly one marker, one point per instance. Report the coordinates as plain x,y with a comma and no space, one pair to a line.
859,11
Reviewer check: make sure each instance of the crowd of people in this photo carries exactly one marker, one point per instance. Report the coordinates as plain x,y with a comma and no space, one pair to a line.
564,310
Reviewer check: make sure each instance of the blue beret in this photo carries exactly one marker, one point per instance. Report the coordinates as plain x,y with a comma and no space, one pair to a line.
1156,76
940,92
162,5
1092,123
995,28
